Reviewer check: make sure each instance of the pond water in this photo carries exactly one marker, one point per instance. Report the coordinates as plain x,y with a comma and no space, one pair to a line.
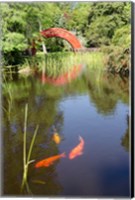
89,104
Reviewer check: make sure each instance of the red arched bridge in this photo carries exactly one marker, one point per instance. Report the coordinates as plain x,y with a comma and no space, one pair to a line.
63,33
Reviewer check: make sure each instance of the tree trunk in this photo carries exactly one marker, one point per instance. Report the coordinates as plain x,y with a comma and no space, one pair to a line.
44,47
43,44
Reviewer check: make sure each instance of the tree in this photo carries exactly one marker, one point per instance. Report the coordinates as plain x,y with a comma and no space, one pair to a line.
22,23
104,19
13,38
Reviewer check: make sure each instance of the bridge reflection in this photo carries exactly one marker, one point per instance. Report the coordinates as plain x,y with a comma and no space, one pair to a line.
62,79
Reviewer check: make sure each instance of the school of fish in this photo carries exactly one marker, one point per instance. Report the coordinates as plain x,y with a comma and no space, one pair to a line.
76,151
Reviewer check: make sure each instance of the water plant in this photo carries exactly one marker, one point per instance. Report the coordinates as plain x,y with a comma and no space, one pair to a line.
26,158
56,64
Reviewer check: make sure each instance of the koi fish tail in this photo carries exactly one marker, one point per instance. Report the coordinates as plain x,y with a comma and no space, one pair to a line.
63,155
81,139
54,129
37,165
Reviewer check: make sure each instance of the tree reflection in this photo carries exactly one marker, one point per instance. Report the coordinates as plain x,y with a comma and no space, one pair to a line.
50,177
106,90
125,138
43,111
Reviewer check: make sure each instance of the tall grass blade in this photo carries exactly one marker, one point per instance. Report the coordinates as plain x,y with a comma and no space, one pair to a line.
26,159
24,136
32,143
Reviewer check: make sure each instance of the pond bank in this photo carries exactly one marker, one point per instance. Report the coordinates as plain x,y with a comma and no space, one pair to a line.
112,60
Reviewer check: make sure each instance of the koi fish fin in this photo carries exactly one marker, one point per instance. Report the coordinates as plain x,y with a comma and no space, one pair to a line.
36,165
80,153
47,165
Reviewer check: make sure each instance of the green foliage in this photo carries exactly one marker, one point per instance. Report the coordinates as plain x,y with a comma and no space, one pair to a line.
100,31
122,36
78,16
14,41
104,20
13,28
21,22
118,59
94,23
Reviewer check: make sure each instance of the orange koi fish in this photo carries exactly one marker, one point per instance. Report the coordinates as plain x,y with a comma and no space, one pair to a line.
49,161
56,138
78,150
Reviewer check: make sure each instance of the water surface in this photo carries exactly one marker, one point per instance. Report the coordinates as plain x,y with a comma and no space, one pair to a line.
92,105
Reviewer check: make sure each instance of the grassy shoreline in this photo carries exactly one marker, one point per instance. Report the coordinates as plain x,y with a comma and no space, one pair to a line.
109,59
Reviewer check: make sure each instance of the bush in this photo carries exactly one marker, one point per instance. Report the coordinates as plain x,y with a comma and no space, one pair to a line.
122,36
118,60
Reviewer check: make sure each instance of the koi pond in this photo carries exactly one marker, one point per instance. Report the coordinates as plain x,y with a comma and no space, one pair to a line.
81,148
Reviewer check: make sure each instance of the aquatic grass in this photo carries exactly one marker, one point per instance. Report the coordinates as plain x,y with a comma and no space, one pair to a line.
26,159
57,64
63,61
10,69
94,60
7,87
22,88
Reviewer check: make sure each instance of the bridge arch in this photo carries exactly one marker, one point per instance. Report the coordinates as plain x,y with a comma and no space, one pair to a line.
64,34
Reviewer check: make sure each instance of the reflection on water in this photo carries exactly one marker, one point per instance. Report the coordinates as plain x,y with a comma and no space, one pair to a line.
63,78
93,105
125,137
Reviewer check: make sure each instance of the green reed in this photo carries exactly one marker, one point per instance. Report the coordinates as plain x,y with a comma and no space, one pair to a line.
26,158
57,63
